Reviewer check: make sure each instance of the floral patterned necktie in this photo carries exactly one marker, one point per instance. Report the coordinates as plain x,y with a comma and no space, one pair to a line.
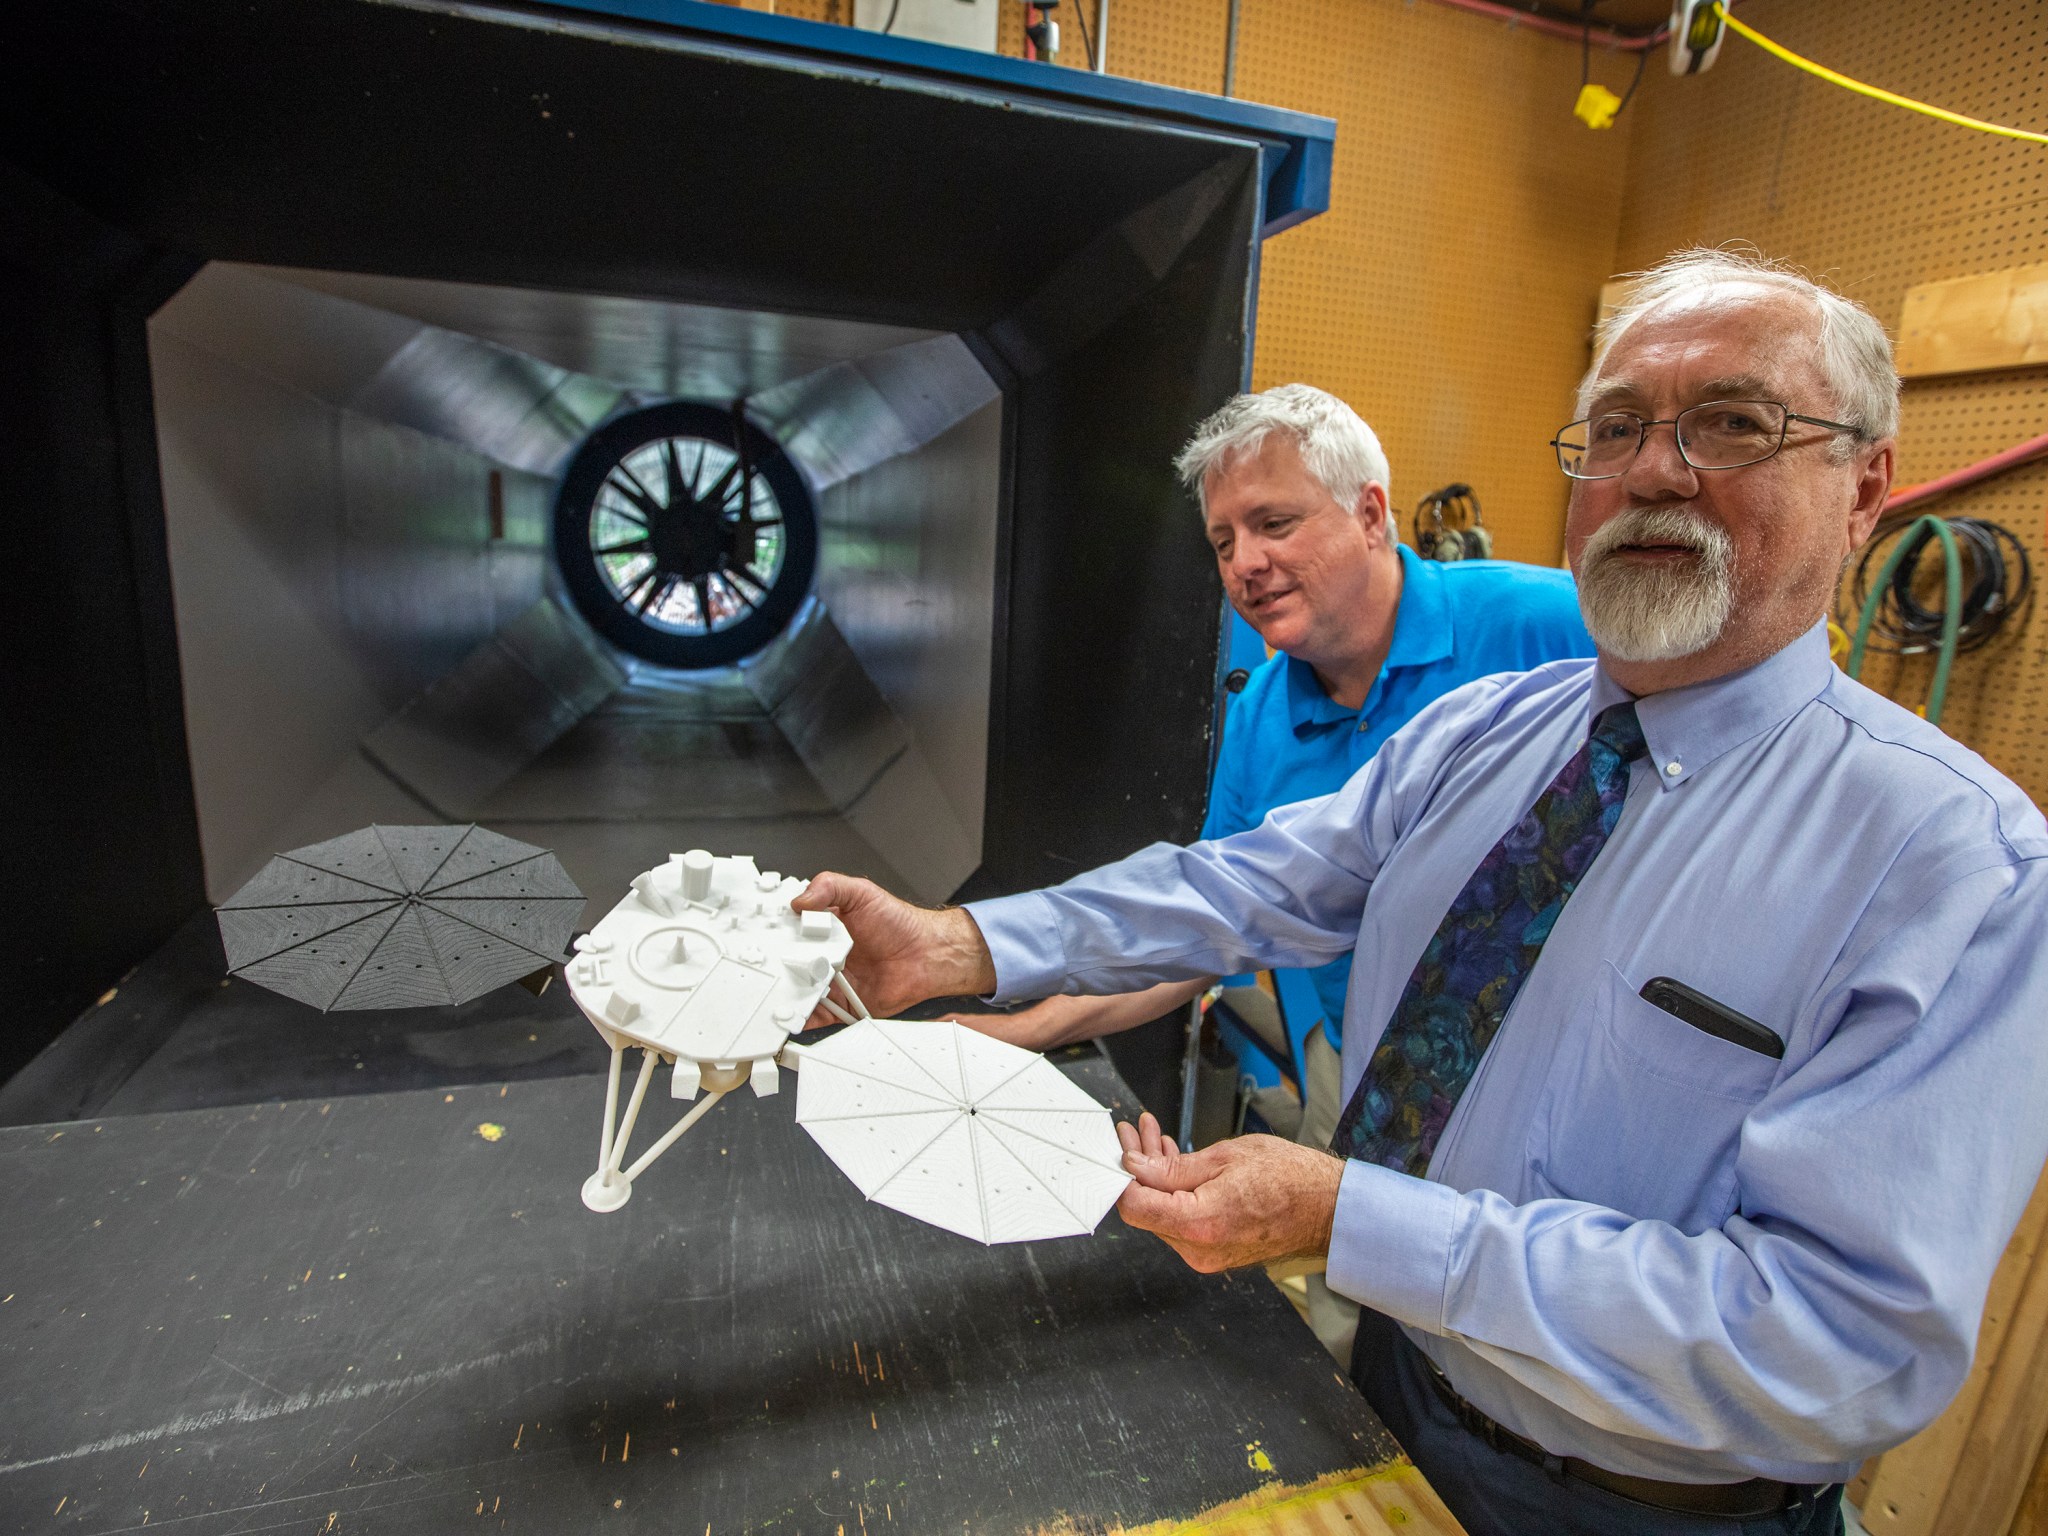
1483,951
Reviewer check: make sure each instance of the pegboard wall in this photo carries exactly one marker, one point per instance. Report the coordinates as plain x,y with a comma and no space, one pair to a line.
1875,200
1448,292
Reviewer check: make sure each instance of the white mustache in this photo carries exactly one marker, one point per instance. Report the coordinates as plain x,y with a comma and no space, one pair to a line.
1656,525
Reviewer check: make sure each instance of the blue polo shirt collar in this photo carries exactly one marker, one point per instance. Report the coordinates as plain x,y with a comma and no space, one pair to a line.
1422,635
1422,624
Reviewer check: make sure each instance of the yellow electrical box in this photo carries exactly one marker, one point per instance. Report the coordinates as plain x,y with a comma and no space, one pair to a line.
1596,106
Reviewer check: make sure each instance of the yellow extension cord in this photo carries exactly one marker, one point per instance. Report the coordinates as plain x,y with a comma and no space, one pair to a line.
1875,94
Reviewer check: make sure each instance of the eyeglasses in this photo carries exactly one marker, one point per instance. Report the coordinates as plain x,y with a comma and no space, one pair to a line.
1718,434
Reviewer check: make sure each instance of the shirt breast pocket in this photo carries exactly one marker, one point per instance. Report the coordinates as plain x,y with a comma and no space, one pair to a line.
1642,1112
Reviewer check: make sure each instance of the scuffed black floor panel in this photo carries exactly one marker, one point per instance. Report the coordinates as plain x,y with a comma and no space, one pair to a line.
393,1315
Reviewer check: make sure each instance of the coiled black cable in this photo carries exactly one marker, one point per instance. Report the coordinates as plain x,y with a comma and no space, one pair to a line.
1998,582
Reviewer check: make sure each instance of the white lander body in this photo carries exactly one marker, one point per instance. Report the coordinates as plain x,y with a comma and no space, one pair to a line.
705,967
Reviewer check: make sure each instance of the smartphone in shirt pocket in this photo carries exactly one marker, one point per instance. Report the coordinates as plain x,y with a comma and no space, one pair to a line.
1643,1108
1715,1018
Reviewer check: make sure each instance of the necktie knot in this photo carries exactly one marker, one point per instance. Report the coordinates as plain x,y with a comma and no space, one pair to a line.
1620,732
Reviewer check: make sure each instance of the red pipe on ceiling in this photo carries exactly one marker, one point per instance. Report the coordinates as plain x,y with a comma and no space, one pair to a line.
1606,37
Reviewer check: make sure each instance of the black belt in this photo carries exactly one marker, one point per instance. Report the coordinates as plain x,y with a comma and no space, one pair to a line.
1747,1500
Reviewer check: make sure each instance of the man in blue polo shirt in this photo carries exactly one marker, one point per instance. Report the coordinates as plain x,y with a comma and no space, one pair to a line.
1293,488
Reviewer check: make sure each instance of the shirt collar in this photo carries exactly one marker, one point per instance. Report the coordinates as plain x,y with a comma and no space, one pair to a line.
1422,634
1688,728
1307,704
1422,624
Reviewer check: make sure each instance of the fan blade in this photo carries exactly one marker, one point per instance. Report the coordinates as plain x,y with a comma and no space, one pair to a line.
672,470
738,591
656,591
716,495
628,485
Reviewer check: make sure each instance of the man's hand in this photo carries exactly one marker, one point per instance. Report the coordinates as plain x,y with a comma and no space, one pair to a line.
1238,1202
902,954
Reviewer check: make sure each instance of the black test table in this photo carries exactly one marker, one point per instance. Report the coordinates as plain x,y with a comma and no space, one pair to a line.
393,1313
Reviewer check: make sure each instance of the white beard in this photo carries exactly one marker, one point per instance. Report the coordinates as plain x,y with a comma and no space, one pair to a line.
1661,612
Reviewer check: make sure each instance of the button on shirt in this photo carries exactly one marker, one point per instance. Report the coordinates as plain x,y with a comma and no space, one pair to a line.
1639,1243
1285,739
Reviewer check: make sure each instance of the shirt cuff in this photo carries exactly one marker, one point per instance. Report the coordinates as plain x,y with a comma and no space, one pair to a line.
1023,939
1390,1243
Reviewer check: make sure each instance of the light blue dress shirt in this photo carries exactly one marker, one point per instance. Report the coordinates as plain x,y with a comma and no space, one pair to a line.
1285,739
1638,1243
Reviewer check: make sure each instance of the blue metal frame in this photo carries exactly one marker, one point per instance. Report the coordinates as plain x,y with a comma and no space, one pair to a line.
1297,148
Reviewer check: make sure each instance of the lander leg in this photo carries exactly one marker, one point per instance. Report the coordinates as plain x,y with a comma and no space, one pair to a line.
611,1186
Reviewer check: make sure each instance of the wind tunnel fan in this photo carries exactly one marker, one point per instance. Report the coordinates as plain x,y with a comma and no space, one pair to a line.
684,534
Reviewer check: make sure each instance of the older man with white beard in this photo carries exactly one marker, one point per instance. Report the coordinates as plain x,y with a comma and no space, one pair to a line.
1693,1052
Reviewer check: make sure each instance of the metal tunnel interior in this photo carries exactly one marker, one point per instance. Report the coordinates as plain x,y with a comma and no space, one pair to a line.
303,349
359,475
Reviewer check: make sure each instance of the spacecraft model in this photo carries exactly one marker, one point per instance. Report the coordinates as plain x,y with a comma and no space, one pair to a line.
704,966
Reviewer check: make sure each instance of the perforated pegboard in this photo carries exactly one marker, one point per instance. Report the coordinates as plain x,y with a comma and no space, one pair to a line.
1448,292
1997,697
1169,42
1876,199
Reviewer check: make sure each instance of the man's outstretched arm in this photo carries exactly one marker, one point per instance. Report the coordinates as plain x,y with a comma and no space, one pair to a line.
1062,1021
904,954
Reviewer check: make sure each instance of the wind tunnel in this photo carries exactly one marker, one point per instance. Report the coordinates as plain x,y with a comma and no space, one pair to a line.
311,308
418,527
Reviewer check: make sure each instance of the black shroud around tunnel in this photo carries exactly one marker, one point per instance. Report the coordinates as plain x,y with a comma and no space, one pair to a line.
1100,264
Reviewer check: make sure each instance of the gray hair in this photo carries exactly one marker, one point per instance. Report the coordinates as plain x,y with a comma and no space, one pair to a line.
1855,355
1336,446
